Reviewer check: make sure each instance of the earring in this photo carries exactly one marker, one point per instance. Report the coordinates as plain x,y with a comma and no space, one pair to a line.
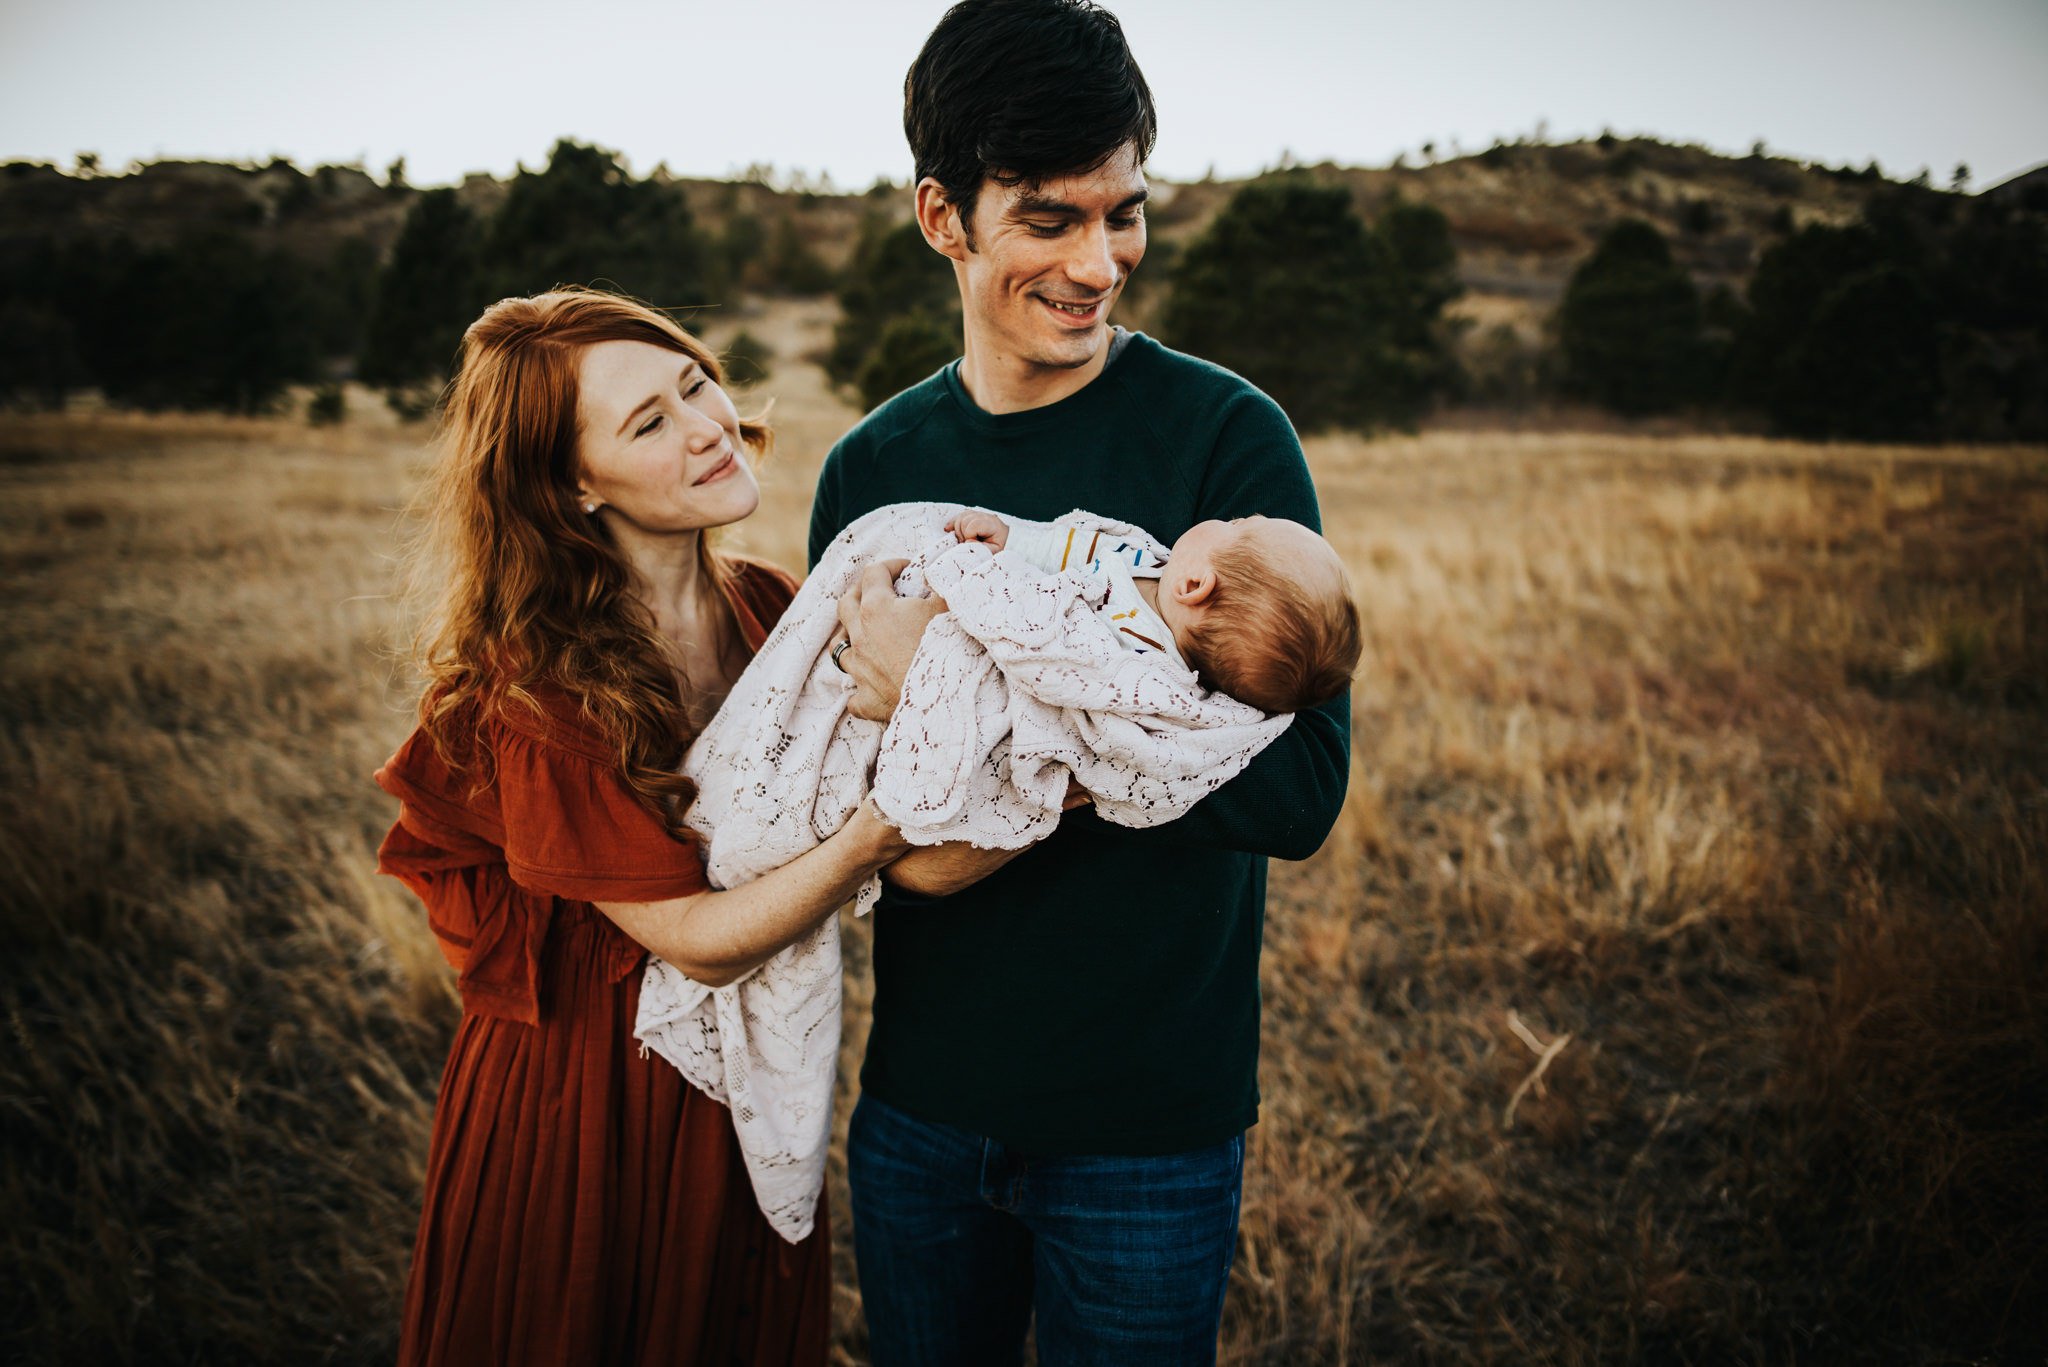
590,507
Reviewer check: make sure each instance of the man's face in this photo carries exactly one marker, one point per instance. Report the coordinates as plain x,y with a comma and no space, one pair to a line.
1049,260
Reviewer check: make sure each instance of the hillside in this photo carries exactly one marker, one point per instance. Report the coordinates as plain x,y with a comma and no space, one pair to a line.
1749,293
1522,215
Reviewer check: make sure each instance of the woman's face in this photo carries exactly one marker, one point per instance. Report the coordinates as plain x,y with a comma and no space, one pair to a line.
660,442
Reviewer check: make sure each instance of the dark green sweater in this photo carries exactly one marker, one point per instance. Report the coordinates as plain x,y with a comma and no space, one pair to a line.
1100,993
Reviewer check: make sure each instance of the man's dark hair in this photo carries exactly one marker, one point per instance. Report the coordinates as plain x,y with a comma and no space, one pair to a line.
1019,91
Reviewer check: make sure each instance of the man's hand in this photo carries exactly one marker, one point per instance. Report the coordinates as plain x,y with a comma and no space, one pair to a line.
884,630
971,524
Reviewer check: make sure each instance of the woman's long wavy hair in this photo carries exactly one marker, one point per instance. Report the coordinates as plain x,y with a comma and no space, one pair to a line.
522,592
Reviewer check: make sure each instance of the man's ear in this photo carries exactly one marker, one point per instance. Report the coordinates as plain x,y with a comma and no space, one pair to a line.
938,218
1193,590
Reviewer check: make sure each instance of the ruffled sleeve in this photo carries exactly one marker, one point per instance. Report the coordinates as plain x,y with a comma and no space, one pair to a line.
493,862
575,829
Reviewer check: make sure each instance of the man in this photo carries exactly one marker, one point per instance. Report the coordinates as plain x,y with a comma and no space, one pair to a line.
1064,1054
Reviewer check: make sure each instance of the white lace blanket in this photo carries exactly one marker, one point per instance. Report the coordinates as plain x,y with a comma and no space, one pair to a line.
1018,685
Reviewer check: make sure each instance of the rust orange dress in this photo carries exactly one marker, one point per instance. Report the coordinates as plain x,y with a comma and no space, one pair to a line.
584,1204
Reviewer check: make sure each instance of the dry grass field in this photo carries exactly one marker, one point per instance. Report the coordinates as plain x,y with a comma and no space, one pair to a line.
1674,988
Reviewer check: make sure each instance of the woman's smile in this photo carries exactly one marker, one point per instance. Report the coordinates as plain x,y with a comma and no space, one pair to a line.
726,465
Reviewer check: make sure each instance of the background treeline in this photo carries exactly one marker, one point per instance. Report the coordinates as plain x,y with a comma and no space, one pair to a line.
583,218
211,318
1926,318
1634,276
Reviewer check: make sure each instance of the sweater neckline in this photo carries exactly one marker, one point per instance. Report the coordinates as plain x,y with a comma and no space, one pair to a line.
1060,410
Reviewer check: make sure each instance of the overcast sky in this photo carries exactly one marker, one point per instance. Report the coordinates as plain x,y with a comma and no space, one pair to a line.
807,83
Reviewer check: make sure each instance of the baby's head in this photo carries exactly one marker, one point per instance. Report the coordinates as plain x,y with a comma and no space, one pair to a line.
1262,609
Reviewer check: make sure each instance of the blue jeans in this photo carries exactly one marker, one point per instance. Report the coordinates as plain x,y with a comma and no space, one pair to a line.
960,1240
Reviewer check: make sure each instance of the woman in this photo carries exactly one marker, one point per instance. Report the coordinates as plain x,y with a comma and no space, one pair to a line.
583,1203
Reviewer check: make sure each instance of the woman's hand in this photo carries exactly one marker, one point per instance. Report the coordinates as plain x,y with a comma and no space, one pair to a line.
871,832
884,631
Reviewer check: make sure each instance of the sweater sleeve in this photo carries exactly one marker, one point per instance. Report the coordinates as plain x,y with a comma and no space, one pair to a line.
1288,797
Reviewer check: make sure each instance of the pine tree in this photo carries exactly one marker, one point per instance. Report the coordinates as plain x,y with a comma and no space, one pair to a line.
1630,325
790,265
909,348
1425,283
585,220
1789,283
1867,365
1928,318
427,295
894,272
1288,287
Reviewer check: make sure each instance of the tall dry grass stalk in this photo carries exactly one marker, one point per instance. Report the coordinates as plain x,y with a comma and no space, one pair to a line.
1671,989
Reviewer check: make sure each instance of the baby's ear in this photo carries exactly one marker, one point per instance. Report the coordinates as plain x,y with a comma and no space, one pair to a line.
1192,590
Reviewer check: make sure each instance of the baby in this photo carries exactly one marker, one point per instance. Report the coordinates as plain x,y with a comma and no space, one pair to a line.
1258,607
1012,699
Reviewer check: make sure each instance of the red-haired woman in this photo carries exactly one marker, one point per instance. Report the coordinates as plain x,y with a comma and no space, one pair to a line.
584,1204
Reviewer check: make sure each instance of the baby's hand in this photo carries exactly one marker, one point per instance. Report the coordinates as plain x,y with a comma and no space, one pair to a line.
971,524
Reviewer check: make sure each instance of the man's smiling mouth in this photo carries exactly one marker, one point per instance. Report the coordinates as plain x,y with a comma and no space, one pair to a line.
1073,310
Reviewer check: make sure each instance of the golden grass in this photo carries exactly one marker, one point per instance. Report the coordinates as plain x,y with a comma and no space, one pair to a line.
1671,990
